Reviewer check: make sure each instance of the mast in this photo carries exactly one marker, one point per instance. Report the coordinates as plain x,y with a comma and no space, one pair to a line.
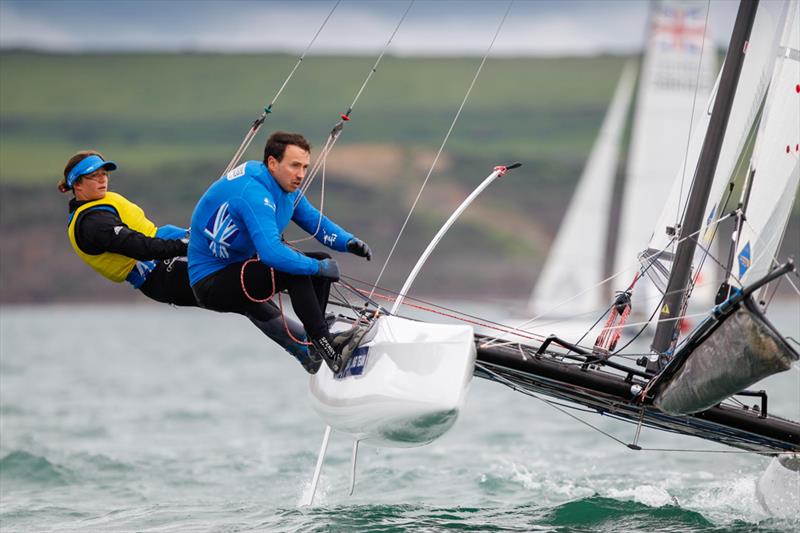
709,156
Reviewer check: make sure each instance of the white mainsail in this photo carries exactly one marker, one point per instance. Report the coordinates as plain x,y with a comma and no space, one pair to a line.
677,78
747,105
575,262
775,161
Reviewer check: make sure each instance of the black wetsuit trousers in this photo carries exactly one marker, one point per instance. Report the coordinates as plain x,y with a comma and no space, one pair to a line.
222,291
169,283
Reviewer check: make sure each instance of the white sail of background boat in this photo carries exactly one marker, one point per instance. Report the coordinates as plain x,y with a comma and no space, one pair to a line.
576,259
676,79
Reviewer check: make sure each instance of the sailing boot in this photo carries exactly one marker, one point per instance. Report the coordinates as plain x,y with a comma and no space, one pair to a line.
346,342
310,360
323,347
275,328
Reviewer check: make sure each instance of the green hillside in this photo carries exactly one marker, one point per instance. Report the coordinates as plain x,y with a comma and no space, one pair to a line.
161,110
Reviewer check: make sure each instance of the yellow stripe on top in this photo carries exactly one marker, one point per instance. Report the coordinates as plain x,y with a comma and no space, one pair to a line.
113,266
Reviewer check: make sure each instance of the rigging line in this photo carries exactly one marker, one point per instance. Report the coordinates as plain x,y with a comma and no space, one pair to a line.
774,292
707,253
337,129
608,309
694,104
321,205
514,387
359,294
375,66
749,142
529,323
642,330
478,321
629,292
495,342
444,142
267,110
714,231
437,306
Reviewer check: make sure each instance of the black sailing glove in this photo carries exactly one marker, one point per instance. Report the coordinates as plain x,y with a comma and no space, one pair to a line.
359,248
329,268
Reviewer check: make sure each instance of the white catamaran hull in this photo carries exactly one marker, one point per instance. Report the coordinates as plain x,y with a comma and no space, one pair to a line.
778,489
404,387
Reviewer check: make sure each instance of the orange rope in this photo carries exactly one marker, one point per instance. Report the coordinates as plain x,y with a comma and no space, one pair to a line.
286,325
244,288
455,317
268,298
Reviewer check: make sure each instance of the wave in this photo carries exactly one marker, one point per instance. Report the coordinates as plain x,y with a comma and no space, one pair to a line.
23,467
594,513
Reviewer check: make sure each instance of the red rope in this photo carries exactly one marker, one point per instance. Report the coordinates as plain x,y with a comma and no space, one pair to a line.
286,325
612,330
268,298
455,317
244,288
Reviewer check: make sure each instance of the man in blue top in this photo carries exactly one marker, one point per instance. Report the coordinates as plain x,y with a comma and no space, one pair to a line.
242,215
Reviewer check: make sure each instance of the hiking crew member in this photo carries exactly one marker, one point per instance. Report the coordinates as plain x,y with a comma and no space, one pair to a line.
244,213
114,237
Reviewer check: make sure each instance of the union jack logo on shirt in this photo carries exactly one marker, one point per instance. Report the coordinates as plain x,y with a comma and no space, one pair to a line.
221,232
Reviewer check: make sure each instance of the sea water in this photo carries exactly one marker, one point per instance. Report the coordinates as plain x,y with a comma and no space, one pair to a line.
149,418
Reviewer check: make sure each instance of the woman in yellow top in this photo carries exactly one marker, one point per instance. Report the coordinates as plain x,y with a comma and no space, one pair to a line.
114,237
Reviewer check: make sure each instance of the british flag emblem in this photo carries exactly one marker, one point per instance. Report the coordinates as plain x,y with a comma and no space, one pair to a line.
679,29
221,232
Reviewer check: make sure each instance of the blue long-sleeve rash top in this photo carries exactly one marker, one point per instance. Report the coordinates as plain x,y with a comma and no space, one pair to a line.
244,213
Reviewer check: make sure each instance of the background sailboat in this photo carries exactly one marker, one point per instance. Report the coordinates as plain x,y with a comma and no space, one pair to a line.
677,75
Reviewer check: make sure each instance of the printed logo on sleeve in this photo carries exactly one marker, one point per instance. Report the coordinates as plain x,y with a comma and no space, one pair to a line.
329,238
268,203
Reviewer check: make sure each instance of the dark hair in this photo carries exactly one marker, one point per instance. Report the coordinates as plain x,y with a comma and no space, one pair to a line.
74,160
278,141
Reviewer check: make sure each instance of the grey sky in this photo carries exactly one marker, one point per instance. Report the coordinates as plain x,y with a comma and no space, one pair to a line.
544,27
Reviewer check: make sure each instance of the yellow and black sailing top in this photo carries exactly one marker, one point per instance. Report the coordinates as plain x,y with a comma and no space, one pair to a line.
113,236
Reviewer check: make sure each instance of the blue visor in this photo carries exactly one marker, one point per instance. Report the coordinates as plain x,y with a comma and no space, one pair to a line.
87,166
